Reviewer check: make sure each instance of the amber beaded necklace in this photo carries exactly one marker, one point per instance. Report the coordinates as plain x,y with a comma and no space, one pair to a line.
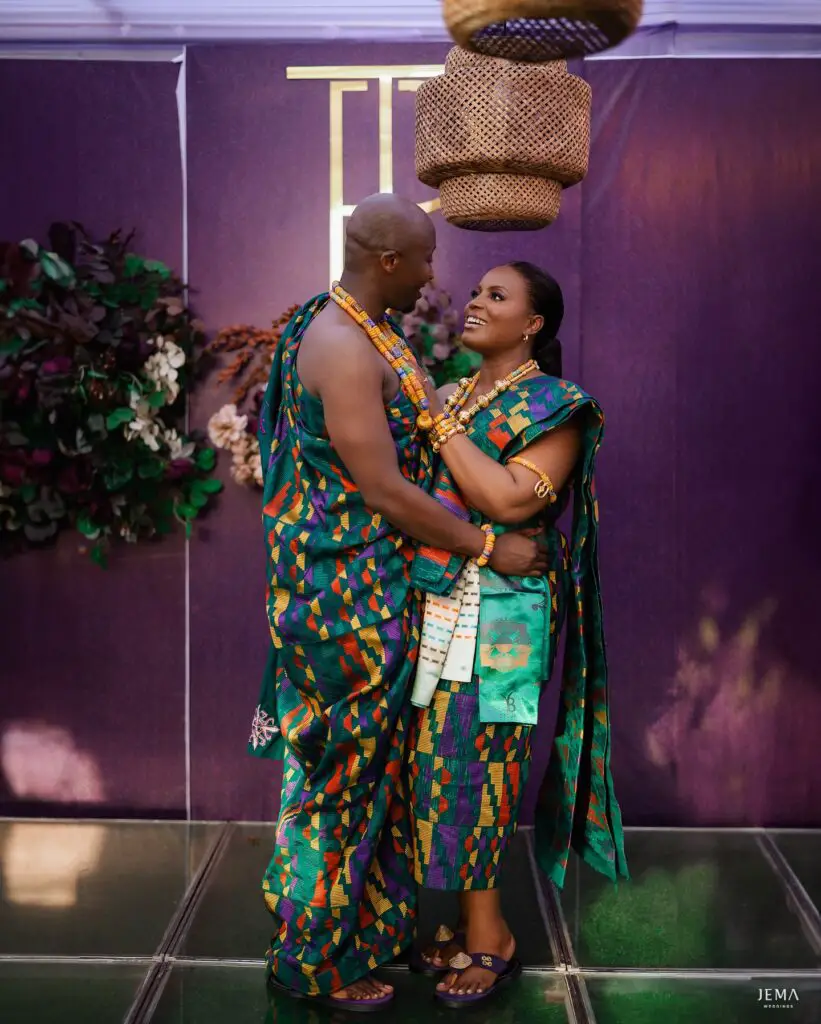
393,348
454,404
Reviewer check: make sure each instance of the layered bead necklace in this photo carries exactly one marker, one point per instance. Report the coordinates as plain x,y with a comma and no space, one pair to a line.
454,417
393,348
454,404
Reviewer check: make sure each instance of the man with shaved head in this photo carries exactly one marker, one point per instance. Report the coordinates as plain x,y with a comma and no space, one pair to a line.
347,470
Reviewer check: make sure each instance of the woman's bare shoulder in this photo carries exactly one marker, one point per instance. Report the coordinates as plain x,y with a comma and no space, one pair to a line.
446,390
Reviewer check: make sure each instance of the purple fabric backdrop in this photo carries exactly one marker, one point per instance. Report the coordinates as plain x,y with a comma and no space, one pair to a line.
700,305
687,260
98,657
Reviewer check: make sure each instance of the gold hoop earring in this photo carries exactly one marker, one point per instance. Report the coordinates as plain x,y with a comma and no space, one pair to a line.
525,338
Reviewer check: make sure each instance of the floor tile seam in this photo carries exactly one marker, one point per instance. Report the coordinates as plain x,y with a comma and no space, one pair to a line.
580,1007
703,973
177,822
149,994
558,940
79,961
807,910
180,920
228,962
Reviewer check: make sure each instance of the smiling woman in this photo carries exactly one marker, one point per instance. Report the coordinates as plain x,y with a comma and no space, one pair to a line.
522,305
515,441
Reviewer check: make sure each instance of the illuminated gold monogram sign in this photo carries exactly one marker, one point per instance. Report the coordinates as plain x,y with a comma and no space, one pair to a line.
407,78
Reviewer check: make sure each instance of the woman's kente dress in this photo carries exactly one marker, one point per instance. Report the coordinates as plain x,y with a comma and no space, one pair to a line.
488,648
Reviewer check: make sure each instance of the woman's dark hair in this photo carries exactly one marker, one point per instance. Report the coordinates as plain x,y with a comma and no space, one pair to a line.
547,301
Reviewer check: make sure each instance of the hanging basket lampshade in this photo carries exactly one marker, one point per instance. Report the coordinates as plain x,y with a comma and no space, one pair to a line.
501,140
541,30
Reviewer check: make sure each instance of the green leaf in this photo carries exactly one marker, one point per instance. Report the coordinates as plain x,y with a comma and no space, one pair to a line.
206,459
56,268
151,470
118,475
16,304
11,346
98,556
156,399
198,498
158,268
186,511
118,417
146,297
28,492
133,265
87,528
208,486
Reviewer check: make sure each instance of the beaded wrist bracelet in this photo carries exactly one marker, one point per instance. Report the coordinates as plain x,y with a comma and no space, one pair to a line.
444,428
490,544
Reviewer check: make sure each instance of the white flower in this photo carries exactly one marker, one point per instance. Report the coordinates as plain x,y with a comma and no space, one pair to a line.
255,462
176,448
241,470
226,428
246,465
162,367
143,426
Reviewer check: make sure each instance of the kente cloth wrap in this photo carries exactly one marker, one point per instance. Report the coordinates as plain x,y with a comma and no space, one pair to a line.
577,807
344,623
466,781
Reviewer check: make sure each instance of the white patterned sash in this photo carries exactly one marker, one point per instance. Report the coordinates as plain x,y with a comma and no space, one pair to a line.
449,630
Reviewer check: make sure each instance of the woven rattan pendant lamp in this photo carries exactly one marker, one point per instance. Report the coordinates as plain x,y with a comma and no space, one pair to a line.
540,30
501,140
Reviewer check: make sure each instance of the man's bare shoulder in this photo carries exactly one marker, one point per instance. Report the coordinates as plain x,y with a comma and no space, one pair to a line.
330,330
335,348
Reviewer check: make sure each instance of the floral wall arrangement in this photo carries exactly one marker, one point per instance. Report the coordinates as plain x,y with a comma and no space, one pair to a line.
234,426
97,348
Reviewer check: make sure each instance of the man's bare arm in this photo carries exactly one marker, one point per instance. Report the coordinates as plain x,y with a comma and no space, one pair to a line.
349,382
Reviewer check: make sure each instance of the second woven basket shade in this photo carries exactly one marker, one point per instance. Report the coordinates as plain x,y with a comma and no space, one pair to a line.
540,30
501,140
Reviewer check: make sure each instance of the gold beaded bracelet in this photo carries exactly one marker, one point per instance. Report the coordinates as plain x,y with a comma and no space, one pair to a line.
490,544
544,488
444,428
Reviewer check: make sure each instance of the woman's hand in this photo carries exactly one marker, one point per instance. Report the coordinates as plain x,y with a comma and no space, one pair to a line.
518,554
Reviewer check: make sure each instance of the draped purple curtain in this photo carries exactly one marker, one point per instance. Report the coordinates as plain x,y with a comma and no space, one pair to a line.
688,259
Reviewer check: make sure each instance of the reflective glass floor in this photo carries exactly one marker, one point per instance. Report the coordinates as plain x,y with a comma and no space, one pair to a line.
162,921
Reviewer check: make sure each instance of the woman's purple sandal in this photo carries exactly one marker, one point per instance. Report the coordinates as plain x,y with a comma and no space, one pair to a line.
352,1005
444,937
505,970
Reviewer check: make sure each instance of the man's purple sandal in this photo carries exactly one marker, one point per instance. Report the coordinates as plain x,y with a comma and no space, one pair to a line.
352,1005
444,937
505,971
